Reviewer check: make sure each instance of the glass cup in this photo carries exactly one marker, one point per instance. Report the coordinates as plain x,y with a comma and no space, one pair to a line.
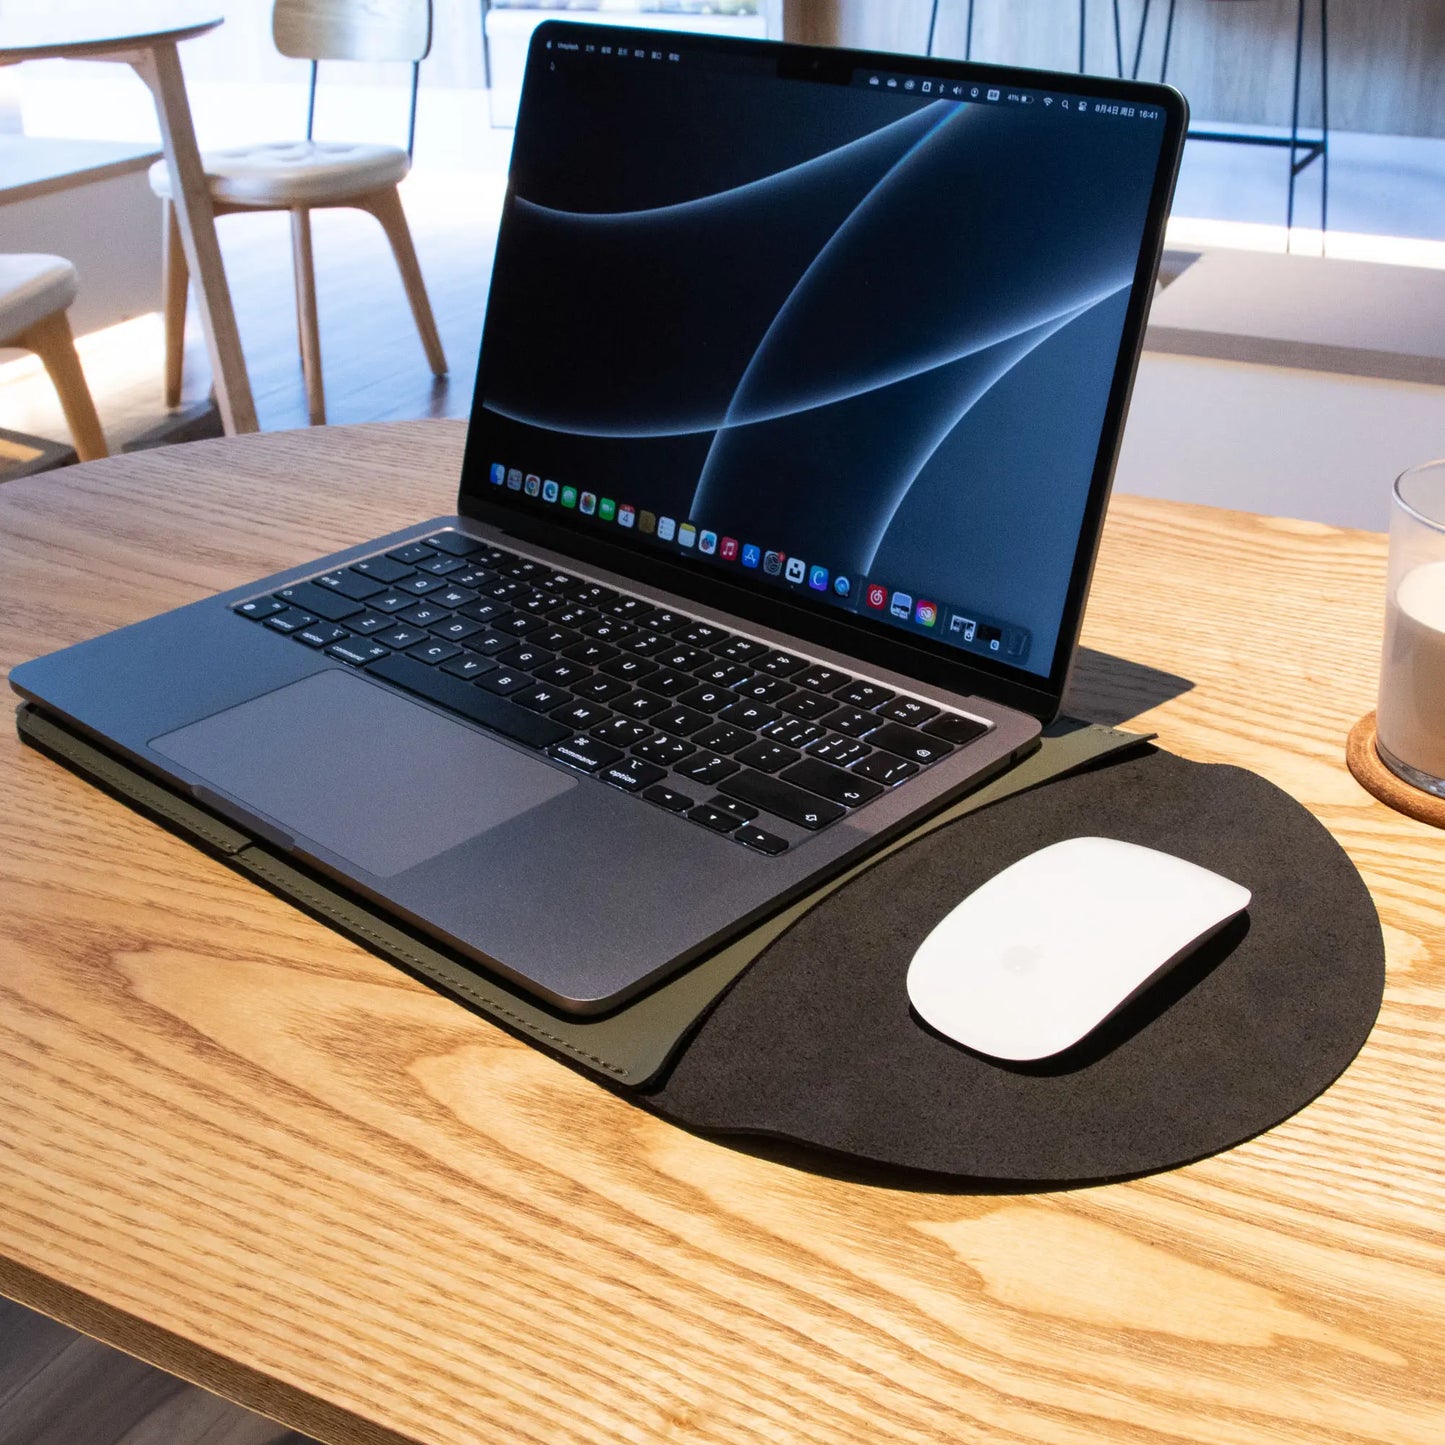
1410,720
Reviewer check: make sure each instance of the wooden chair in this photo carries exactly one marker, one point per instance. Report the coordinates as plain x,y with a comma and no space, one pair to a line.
303,176
35,292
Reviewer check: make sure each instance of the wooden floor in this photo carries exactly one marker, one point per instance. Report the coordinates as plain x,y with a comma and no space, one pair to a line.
372,359
61,1388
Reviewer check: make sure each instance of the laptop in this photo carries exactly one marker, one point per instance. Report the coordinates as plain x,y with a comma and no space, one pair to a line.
802,381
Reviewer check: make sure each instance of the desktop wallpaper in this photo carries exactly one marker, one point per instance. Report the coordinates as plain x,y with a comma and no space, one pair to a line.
835,322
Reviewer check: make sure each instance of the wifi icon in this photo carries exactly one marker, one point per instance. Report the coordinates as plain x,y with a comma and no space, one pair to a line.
1048,100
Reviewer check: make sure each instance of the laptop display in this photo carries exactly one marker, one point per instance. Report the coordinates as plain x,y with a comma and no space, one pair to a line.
837,330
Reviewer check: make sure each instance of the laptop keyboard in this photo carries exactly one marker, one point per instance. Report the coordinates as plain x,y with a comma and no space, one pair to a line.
726,731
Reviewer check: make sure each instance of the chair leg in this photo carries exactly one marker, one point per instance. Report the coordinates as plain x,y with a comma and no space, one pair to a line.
306,322
175,285
52,341
385,205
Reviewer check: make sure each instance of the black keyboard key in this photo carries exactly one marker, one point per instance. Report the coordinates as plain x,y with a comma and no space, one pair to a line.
357,652
792,733
370,622
608,629
666,798
640,704
592,654
762,842
423,614
561,671
544,697
841,751
521,568
718,819
473,576
593,594
682,658
885,768
320,634
519,624
456,629
419,584
779,664
539,602
260,608
571,615
601,689
764,689
629,669
440,566
584,753
631,774
856,724
910,744
955,729
669,684
833,783
632,608
745,714
390,602
782,800
821,679
580,715
411,554
504,681
382,569
622,732
723,674
454,542
708,698
524,654
493,644
724,738
768,757
558,582
351,584
700,634
683,721
320,602
453,596
487,610
739,649
403,637
505,589
434,651
810,705
708,768
293,619
468,700
554,638
666,751
661,620
743,812
468,665
907,710
864,694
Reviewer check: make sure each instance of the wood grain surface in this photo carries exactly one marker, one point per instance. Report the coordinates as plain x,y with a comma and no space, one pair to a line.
238,1146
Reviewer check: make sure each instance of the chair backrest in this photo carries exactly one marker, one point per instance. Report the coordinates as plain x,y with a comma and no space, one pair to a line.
352,29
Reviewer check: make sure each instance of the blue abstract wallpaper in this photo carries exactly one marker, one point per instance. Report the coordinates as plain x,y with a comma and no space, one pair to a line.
872,331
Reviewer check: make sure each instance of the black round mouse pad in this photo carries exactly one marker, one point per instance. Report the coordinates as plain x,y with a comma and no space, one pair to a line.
817,1042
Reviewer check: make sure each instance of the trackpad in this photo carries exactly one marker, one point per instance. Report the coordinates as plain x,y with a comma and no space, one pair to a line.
369,775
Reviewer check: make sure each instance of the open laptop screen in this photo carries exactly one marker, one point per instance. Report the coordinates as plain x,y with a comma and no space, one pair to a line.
837,329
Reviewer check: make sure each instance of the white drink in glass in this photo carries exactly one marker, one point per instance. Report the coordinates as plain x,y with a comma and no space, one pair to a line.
1411,717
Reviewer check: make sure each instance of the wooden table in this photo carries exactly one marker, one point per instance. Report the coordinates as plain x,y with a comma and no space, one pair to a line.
145,36
236,1145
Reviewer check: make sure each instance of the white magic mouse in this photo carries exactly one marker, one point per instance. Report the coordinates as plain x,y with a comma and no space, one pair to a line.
1048,949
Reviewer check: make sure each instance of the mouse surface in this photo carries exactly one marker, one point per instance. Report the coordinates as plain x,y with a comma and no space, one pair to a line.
1045,951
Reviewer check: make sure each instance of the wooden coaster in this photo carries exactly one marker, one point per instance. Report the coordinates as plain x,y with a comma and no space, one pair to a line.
1375,778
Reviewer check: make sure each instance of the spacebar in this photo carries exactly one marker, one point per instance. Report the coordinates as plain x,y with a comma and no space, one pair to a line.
471,702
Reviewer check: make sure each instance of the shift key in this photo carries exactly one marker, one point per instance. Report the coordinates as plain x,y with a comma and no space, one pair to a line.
781,799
